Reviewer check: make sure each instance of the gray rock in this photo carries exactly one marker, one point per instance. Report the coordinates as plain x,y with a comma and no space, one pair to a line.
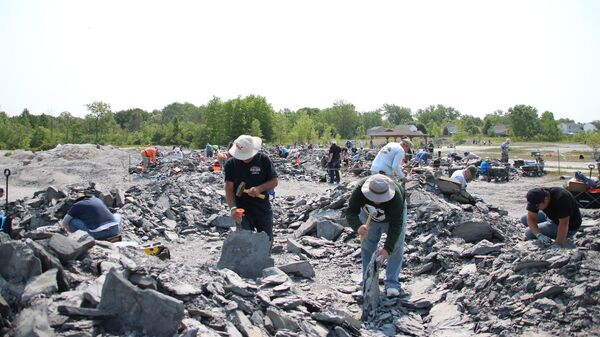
108,199
49,261
474,231
301,268
306,228
288,302
530,264
18,263
223,222
339,317
370,289
246,253
44,284
52,193
411,324
245,326
549,291
146,311
119,197
483,247
163,202
329,230
33,322
72,247
281,321
274,275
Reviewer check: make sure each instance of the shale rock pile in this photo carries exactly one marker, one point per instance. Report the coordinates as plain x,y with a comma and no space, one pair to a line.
466,270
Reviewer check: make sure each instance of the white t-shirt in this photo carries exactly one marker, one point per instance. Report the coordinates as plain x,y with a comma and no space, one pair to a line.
389,160
460,176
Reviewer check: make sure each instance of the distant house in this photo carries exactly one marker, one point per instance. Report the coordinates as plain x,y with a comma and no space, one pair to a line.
589,127
570,128
452,129
500,130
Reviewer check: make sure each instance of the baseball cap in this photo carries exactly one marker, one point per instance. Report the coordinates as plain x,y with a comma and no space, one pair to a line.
535,196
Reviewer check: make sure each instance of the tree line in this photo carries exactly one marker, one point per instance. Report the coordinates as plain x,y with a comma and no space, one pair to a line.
219,122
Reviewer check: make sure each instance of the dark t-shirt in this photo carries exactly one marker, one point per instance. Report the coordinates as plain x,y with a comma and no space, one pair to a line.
257,172
335,150
92,211
563,204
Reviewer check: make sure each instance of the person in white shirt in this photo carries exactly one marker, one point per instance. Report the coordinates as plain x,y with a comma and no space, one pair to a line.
465,176
390,158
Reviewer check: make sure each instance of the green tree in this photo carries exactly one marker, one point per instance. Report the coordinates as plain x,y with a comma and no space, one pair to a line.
592,139
98,111
437,113
397,114
40,139
548,128
255,129
342,116
524,121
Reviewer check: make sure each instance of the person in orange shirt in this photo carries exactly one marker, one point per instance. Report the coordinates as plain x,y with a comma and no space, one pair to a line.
149,154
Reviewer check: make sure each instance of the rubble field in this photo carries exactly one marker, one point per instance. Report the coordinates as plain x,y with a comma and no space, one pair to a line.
467,270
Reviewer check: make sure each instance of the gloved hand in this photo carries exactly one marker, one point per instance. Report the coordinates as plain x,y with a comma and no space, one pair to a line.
556,246
544,239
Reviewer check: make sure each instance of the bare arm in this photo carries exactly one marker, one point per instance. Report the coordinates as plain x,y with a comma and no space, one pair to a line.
267,186
563,229
229,194
532,222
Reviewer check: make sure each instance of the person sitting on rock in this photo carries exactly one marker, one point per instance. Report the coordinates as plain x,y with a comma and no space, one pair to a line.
389,159
256,170
379,198
551,213
91,215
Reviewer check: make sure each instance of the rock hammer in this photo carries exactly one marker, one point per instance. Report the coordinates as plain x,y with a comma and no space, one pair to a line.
241,190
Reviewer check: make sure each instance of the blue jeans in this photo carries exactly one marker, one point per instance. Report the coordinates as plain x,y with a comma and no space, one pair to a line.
546,226
77,224
369,246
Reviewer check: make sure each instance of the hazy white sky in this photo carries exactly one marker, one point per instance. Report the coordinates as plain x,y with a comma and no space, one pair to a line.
476,56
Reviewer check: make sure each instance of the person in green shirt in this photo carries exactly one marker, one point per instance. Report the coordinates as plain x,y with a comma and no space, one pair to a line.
380,198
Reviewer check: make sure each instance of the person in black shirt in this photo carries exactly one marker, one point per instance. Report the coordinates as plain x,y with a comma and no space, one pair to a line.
257,172
334,162
551,213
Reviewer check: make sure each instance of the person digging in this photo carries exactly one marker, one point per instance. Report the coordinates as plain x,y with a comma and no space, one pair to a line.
377,197
256,175
464,176
551,213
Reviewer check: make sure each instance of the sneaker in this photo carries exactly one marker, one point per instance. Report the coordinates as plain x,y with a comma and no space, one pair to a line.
392,292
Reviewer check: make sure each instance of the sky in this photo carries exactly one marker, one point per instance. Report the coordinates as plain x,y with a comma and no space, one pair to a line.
476,56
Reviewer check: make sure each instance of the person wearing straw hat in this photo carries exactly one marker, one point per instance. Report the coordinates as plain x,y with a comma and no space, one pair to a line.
390,158
380,200
258,173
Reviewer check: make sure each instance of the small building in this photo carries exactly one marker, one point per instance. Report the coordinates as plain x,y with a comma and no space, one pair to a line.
452,129
397,133
589,127
570,128
500,130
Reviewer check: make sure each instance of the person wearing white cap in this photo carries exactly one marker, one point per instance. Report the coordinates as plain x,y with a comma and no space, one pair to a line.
257,172
379,198
390,158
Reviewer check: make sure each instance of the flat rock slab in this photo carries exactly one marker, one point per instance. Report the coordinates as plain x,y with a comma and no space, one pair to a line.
33,322
329,230
72,247
18,263
474,231
300,268
246,253
44,284
371,289
146,311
